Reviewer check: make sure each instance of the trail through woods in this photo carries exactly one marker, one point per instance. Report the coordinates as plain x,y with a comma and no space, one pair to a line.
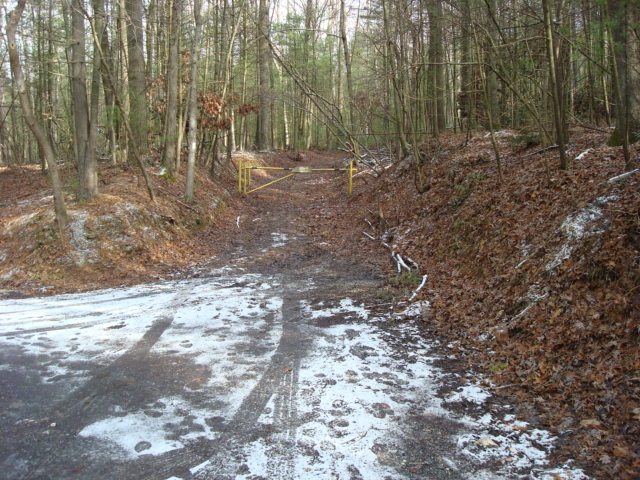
275,360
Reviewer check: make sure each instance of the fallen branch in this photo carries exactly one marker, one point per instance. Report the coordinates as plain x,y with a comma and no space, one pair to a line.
546,149
420,287
178,200
416,266
624,175
402,263
393,255
370,224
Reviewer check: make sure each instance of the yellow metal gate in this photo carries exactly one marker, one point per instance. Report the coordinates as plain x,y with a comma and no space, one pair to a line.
244,175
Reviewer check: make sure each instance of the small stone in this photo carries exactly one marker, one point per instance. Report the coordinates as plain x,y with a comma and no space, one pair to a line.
142,446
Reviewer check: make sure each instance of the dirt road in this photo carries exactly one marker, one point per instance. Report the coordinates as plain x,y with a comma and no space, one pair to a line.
275,361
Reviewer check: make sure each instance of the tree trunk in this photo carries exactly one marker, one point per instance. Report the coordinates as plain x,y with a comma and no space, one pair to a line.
91,163
491,78
137,79
86,169
467,97
151,24
263,136
112,127
171,125
4,137
555,86
347,63
625,18
193,105
436,67
120,67
27,110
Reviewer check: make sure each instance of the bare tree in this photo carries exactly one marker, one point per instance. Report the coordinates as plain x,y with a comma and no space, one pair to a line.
556,88
136,75
192,103
84,130
171,120
625,16
27,110
263,136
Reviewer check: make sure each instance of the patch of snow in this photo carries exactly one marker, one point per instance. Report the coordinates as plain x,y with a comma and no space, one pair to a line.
199,467
416,309
129,431
577,226
350,391
499,133
517,447
344,405
345,306
10,274
533,296
469,393
279,239
20,221
128,208
83,248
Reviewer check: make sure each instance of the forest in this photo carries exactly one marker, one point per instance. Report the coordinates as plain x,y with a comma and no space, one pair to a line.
135,82
496,147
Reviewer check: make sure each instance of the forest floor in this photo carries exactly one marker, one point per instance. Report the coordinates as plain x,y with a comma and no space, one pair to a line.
533,281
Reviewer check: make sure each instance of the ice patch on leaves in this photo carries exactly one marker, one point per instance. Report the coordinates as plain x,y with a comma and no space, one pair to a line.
578,226
514,445
469,393
346,306
416,309
277,240
83,248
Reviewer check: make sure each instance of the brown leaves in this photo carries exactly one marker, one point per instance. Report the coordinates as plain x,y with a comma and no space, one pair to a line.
485,246
214,110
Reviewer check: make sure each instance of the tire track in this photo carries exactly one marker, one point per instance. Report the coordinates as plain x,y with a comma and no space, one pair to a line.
218,459
86,404
278,381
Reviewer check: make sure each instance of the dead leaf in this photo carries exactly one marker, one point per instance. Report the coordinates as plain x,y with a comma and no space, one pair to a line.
605,459
590,422
486,442
622,452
